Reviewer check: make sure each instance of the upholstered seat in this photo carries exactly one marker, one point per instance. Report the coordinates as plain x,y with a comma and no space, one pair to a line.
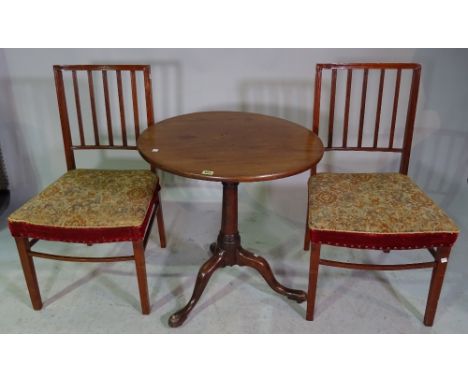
90,206
382,211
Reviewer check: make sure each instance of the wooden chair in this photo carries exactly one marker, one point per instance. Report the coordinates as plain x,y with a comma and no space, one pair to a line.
385,211
88,205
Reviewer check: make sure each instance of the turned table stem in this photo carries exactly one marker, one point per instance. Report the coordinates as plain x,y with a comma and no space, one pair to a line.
228,238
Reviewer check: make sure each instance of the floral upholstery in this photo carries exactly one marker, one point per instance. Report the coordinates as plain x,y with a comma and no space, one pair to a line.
383,210
89,206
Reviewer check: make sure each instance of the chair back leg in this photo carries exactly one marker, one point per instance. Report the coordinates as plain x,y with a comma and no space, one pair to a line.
29,272
307,231
313,276
437,280
139,254
160,220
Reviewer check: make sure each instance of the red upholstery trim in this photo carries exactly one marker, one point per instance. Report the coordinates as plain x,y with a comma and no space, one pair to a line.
384,241
84,235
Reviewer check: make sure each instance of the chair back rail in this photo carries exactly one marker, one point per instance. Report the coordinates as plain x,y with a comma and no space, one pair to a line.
362,111
92,73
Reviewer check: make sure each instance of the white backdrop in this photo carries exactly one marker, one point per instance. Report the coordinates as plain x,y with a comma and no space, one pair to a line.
271,81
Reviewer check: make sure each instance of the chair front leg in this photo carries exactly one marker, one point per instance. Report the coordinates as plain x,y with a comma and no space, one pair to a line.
29,272
437,281
313,275
139,254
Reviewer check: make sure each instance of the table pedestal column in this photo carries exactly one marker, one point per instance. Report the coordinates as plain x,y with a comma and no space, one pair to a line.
227,250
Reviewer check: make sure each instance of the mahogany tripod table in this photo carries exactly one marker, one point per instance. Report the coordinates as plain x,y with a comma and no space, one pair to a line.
230,147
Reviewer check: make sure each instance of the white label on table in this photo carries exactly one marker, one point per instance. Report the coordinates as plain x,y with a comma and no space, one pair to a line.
207,172
155,150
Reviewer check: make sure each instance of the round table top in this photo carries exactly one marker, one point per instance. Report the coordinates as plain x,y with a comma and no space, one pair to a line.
230,146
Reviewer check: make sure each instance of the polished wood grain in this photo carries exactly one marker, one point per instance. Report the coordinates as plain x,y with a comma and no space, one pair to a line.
140,267
148,95
377,267
93,107
64,119
123,127
331,117
363,106
379,107
395,107
313,276
104,67
346,112
441,256
369,65
410,118
80,259
29,271
105,85
234,146
136,116
78,107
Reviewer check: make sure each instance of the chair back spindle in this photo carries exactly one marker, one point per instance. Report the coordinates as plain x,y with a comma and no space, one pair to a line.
384,123
125,98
